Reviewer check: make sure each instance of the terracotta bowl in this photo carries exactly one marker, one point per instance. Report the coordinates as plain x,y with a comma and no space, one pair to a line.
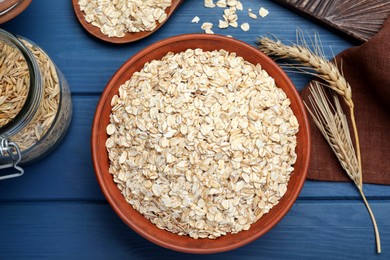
135,220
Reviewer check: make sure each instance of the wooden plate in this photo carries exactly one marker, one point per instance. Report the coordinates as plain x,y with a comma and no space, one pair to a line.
15,11
134,219
129,37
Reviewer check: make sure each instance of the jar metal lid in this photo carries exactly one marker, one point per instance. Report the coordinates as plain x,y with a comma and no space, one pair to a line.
11,150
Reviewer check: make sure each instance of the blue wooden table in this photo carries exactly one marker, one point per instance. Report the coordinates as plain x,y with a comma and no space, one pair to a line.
56,210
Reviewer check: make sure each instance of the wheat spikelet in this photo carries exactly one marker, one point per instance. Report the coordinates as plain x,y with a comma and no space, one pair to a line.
332,123
330,119
324,69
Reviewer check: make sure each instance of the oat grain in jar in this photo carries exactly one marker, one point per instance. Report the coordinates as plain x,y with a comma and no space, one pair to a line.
35,104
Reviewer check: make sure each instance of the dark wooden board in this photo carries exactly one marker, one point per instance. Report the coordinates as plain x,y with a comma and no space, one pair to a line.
360,19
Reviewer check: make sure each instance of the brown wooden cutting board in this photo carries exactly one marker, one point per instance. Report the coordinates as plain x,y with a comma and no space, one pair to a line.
359,19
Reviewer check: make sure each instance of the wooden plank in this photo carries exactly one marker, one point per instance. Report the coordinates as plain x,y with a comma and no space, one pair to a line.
341,190
318,230
67,174
89,63
359,19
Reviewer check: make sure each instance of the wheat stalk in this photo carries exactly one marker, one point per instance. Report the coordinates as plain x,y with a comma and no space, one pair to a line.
330,120
323,68
332,123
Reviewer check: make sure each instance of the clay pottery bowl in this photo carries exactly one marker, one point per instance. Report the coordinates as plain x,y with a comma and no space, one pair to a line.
134,219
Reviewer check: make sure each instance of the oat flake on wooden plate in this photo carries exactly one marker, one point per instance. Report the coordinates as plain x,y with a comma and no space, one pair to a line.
201,143
115,18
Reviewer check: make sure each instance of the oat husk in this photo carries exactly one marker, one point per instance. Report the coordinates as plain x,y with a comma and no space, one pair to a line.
15,82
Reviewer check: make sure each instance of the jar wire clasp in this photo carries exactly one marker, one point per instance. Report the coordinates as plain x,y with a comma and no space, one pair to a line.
11,149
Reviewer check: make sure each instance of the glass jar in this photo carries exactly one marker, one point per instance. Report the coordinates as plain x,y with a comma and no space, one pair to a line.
35,104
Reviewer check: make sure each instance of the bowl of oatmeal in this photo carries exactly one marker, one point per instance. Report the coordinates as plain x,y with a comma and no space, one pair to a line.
123,21
200,143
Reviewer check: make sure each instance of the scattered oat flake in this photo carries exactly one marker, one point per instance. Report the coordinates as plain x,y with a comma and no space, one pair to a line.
221,3
239,6
252,15
263,12
223,24
245,27
209,3
206,25
233,24
196,19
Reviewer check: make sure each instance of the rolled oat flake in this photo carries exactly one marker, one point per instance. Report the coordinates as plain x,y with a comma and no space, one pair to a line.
35,104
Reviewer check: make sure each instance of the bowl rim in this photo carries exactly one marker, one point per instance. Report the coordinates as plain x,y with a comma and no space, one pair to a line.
95,151
14,12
